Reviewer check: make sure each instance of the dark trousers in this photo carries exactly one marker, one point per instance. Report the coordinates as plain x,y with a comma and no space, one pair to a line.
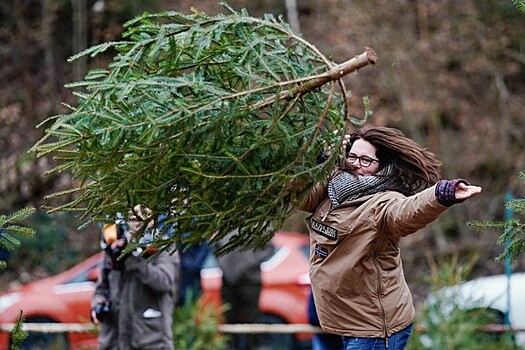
242,303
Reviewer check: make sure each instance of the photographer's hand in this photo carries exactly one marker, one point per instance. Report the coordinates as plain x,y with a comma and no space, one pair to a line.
115,250
99,300
94,317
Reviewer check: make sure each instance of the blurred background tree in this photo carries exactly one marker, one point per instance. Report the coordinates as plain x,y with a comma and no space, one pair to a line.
12,229
513,228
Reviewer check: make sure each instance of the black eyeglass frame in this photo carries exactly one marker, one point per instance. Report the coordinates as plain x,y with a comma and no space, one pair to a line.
364,161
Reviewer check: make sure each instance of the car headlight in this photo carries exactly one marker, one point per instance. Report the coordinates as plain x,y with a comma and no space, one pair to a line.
7,300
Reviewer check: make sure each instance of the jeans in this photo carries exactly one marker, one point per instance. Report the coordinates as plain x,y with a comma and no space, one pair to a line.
396,341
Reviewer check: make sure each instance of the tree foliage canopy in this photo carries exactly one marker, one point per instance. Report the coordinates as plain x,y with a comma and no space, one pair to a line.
209,118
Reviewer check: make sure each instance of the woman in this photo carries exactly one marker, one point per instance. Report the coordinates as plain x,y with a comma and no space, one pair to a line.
357,222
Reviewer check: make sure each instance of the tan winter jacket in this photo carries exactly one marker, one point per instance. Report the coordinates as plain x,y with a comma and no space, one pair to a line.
355,264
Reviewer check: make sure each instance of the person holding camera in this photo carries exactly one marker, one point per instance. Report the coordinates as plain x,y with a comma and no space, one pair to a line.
136,294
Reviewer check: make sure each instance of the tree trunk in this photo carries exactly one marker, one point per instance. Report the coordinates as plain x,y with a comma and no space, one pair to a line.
79,37
293,15
47,44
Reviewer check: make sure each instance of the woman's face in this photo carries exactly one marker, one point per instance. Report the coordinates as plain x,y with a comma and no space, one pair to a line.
363,152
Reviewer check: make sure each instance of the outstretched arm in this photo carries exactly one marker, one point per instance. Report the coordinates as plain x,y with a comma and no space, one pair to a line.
403,216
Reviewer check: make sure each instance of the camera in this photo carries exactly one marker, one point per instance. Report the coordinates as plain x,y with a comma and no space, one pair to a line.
102,310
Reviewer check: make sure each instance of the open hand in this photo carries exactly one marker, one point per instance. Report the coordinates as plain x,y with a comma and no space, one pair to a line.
464,191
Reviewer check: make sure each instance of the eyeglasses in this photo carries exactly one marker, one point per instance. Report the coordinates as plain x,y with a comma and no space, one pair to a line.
364,161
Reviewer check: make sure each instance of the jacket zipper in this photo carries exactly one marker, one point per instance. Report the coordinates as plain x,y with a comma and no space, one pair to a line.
382,307
330,210
323,218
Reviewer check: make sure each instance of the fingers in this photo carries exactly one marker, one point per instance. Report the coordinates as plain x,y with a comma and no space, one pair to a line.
469,188
94,317
118,243
464,191
346,139
475,189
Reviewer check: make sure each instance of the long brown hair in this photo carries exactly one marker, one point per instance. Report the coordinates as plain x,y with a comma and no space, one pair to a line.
415,166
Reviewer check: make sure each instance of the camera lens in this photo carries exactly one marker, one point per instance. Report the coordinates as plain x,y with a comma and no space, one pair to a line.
102,310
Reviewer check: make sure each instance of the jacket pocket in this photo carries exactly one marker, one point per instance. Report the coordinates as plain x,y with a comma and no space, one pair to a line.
148,329
325,237
389,257
324,232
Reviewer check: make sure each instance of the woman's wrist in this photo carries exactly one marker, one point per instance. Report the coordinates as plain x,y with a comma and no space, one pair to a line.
446,191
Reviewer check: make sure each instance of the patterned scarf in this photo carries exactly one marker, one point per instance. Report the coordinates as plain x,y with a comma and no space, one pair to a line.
346,187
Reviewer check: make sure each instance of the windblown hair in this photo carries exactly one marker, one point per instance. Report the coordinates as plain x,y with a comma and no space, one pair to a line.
415,166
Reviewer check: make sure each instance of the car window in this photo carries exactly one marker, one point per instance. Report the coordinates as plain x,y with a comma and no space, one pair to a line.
305,249
83,276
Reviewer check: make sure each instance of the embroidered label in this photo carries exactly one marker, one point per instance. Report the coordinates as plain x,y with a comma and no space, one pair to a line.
324,230
321,252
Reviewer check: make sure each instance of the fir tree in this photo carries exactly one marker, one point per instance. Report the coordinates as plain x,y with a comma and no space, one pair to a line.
11,227
217,120
513,230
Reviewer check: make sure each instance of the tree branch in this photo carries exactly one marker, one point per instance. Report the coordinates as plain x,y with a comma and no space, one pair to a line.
368,57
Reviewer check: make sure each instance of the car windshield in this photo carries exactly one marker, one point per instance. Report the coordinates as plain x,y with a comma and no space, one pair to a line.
83,276
305,249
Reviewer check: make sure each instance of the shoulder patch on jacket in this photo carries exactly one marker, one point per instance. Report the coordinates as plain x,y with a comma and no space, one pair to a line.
324,230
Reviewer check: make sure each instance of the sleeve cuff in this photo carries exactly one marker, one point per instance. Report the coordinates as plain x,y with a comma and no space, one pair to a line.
446,191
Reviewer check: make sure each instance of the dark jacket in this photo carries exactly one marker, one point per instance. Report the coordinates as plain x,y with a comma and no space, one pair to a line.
193,258
143,296
242,267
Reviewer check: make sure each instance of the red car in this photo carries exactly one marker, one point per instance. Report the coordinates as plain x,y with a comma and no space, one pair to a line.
65,298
